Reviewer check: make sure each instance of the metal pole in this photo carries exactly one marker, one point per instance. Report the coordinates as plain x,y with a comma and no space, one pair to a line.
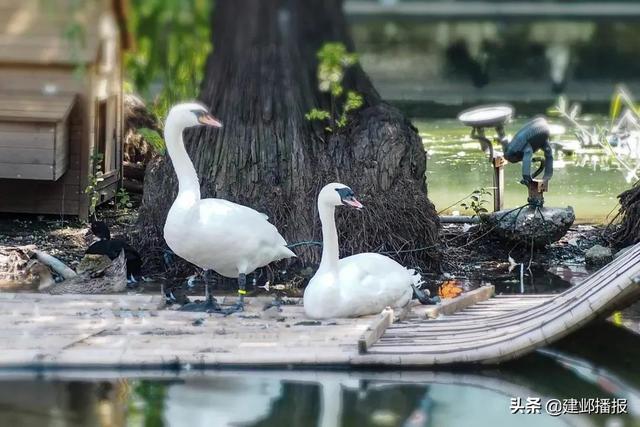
498,183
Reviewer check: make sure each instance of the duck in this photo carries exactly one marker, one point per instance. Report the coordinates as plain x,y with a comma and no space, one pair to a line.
357,285
97,274
105,245
214,234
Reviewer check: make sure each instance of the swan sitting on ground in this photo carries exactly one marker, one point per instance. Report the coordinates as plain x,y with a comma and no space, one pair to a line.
214,234
357,285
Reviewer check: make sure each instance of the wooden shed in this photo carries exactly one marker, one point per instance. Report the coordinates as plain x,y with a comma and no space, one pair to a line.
61,103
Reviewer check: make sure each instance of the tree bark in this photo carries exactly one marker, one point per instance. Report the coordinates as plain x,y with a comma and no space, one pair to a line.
260,81
628,231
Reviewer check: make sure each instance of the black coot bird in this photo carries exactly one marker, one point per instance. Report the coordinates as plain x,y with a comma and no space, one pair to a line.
112,248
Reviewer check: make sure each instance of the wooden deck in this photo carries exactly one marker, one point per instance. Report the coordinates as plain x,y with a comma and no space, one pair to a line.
132,331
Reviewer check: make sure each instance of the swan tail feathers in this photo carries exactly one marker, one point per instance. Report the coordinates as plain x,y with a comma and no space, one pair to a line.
287,253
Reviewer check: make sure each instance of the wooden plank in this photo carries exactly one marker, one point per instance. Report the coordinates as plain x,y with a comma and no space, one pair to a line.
135,333
26,171
449,306
26,135
40,51
48,108
465,300
61,161
24,80
375,331
46,190
26,155
36,206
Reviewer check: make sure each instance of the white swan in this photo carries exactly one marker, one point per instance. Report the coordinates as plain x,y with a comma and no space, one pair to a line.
214,234
357,285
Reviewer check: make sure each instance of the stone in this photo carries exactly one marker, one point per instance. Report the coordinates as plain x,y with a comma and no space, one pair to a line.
598,255
529,225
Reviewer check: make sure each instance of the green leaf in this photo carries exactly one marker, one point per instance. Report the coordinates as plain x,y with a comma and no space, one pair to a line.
154,139
616,106
317,114
353,102
333,60
562,103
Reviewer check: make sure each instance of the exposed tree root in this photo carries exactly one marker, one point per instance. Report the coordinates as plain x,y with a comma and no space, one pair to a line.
628,232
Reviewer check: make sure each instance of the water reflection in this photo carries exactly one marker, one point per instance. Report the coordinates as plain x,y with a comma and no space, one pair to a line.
323,398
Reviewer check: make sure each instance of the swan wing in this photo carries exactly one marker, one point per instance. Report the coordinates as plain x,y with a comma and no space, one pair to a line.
370,282
226,237
243,217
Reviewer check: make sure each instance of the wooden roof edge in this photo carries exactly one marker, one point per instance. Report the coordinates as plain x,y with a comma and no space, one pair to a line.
55,63
72,102
33,116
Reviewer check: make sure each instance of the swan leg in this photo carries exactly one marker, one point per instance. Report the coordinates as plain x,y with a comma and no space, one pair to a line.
239,305
210,305
167,294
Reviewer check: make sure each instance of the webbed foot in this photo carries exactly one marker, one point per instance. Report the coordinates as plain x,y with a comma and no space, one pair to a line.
209,306
169,297
238,307
276,302
421,295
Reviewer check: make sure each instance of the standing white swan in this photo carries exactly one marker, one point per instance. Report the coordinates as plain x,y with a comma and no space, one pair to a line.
357,285
214,234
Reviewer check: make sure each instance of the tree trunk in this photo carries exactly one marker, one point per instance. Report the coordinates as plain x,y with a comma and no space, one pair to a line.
260,81
628,232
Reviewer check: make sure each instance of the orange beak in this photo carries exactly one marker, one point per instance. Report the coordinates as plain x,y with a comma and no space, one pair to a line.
209,120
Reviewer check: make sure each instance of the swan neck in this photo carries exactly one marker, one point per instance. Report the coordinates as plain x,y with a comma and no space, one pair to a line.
188,184
330,252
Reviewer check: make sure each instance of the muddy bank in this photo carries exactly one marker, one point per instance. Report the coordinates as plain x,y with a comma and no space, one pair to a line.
471,257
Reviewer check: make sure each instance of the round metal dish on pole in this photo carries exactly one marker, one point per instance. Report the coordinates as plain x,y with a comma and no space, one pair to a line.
495,116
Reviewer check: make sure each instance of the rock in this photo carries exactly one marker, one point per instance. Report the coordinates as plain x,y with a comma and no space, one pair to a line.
598,255
622,251
540,226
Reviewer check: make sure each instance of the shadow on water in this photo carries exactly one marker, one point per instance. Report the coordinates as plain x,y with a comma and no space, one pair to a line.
581,366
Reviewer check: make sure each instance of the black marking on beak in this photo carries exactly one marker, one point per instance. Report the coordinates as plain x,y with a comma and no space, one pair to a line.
348,198
207,119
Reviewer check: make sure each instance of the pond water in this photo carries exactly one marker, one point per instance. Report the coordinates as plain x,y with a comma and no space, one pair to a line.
587,180
330,398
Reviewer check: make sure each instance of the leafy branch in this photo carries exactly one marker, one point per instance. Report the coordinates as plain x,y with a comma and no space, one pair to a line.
172,46
334,59
123,199
477,201
95,179
600,135
154,139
